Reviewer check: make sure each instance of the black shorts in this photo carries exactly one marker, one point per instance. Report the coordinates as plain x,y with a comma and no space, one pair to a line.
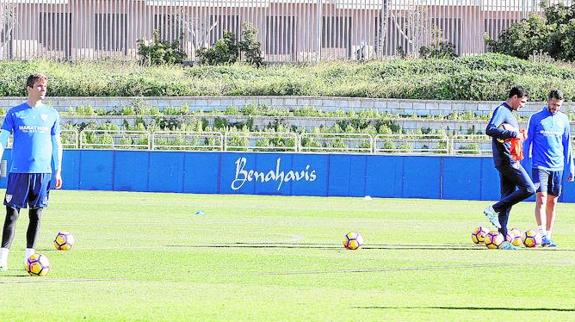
30,189
549,182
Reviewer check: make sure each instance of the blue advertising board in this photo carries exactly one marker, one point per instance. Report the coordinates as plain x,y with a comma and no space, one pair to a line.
301,174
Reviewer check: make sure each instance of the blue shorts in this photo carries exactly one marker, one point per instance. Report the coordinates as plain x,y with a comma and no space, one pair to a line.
27,189
549,182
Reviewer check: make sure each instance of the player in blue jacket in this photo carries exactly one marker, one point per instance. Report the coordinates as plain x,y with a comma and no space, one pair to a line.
36,131
551,156
515,183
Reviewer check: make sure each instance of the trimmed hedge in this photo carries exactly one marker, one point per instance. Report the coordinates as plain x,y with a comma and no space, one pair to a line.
483,77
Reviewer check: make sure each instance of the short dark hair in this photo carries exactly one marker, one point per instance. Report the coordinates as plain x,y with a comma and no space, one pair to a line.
519,91
556,94
32,79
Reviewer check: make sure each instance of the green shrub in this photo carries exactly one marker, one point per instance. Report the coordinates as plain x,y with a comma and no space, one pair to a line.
224,51
482,77
442,50
554,35
159,52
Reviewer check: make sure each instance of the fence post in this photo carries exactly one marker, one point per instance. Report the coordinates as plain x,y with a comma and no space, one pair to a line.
319,28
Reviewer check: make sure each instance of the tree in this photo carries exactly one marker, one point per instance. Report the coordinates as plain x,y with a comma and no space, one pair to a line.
224,51
197,30
250,46
553,34
227,50
159,52
7,23
523,38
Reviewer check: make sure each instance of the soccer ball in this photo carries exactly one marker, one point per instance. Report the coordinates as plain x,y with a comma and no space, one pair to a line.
64,241
493,239
531,238
478,235
37,265
352,240
514,237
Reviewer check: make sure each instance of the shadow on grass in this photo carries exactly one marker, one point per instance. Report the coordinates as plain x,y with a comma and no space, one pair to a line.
27,279
370,246
464,308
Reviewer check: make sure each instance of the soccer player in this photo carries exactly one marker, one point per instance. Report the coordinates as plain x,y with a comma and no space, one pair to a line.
36,131
515,183
549,139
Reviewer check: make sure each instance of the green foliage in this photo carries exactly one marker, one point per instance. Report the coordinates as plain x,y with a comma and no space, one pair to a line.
553,35
159,52
523,38
249,45
227,50
236,140
224,51
441,50
484,77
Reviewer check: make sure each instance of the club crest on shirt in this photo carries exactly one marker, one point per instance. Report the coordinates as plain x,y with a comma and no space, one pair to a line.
44,117
8,198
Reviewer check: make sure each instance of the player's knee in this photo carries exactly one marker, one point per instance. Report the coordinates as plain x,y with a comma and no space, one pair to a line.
12,214
35,214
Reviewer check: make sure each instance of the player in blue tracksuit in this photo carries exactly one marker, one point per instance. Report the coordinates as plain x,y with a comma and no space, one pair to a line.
515,183
36,132
549,140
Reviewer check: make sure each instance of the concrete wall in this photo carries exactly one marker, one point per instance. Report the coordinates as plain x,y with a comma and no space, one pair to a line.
206,103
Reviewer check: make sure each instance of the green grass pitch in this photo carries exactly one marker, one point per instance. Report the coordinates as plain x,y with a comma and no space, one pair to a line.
149,257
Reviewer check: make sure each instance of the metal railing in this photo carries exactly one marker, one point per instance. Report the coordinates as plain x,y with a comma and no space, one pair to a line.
260,141
414,144
187,141
417,144
471,144
411,143
114,140
336,142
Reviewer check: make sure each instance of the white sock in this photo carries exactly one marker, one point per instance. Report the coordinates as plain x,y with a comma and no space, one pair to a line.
542,231
29,252
4,257
548,235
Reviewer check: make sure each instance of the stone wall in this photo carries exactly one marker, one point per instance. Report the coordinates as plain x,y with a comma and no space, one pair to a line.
206,103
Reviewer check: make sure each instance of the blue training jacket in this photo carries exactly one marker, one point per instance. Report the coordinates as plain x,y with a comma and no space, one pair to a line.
548,137
501,149
33,128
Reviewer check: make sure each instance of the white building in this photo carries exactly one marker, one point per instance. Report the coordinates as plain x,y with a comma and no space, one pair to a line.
289,30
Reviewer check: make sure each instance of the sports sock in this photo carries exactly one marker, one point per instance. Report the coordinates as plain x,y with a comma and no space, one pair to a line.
542,231
29,252
4,257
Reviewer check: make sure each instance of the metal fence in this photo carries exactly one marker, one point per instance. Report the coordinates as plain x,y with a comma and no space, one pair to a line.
289,30
424,144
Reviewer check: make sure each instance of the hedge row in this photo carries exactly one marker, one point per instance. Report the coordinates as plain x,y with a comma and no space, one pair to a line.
199,124
483,77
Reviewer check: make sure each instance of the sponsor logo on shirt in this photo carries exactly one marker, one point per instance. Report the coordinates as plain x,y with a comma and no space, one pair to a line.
33,129
551,133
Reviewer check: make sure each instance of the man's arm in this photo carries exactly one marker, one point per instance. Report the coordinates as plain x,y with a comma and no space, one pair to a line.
57,157
4,135
568,152
529,139
493,128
